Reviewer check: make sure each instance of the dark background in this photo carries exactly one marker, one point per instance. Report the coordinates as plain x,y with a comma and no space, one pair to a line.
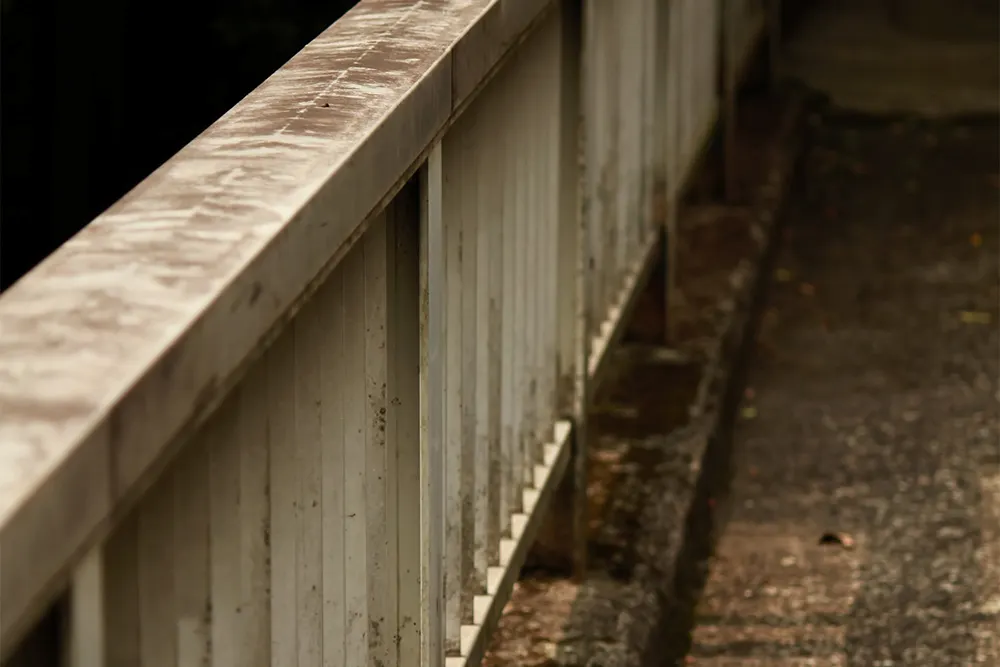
96,95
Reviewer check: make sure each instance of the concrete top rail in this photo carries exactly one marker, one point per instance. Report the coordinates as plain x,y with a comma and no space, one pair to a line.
124,339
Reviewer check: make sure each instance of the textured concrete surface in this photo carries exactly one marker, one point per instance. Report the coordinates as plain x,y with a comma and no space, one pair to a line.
852,51
871,410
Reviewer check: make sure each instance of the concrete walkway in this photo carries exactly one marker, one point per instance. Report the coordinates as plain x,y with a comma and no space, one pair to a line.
871,412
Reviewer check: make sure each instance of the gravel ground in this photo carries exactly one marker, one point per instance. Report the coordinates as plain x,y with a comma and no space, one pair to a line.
872,411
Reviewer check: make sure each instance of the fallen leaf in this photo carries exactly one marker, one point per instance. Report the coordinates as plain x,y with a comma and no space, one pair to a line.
976,240
974,317
783,275
749,412
843,539
806,289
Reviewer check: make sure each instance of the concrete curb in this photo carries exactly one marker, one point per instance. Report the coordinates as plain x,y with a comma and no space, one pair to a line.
642,621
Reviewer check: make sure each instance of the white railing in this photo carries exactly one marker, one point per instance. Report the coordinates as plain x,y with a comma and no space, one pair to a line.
303,396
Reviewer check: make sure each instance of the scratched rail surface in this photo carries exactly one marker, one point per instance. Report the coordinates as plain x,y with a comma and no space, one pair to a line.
302,396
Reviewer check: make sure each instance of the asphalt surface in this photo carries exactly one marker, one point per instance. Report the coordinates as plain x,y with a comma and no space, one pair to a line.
871,411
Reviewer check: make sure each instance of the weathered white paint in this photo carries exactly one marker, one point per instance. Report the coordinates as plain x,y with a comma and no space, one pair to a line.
86,631
132,331
399,364
522,143
275,537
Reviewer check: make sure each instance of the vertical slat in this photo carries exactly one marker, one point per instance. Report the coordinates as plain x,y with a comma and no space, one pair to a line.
308,449
254,520
555,185
689,90
452,184
121,593
285,501
225,547
570,216
359,563
671,119
521,112
511,499
592,163
156,575
652,74
549,261
380,468
403,347
492,216
629,103
485,505
467,229
533,104
239,515
612,266
333,363
634,40
431,416
660,82
595,162
192,528
673,95
387,422
577,57
86,631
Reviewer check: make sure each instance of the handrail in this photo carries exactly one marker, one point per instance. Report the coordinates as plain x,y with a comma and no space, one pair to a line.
126,337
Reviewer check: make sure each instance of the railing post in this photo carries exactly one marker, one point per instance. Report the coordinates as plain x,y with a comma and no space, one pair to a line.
432,478
576,269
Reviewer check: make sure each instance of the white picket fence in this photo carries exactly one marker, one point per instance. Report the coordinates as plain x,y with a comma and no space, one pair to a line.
303,396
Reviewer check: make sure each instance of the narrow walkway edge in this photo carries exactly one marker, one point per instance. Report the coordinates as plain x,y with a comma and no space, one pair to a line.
631,624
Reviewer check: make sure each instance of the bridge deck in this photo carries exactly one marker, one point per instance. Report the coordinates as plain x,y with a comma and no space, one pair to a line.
873,411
